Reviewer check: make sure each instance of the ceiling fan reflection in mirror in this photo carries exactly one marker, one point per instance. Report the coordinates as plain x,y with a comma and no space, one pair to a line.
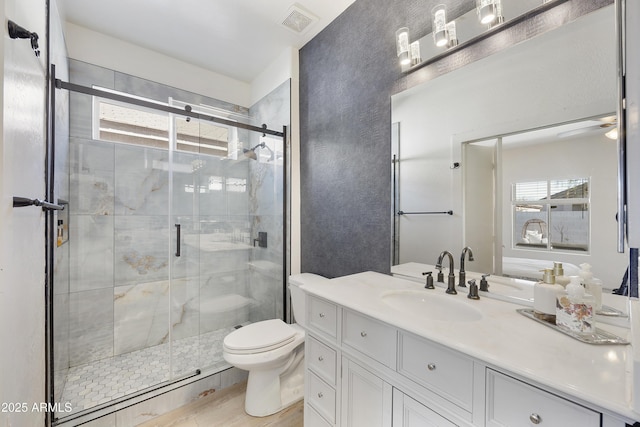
608,124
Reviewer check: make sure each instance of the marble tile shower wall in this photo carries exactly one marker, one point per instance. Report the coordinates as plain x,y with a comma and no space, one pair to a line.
122,240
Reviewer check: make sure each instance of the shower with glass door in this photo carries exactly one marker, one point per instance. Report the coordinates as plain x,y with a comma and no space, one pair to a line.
173,234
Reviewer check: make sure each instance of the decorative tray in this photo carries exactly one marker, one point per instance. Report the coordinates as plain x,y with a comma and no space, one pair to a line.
610,311
599,337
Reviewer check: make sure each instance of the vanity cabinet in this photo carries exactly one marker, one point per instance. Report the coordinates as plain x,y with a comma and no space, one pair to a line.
364,372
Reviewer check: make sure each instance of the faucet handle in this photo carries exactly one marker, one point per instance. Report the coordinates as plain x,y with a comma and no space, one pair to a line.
429,284
484,285
473,289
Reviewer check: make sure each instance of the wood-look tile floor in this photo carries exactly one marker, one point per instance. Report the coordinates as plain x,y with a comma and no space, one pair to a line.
225,408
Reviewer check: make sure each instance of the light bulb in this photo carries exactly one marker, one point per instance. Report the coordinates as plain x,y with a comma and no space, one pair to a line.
439,16
402,40
487,11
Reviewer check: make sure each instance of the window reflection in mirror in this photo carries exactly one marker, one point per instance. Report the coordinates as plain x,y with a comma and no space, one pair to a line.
551,214
558,196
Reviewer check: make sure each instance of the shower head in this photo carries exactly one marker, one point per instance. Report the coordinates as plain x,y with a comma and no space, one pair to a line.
251,152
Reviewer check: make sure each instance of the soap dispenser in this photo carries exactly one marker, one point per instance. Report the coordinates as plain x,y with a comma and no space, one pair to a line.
558,271
592,285
574,308
544,297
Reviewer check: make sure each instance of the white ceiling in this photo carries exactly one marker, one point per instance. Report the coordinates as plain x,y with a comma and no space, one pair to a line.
236,38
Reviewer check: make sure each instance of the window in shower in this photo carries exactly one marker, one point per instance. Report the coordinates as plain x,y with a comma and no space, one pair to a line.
204,138
118,122
132,124
201,136
551,214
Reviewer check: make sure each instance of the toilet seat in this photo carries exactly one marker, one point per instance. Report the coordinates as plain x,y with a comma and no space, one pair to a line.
259,337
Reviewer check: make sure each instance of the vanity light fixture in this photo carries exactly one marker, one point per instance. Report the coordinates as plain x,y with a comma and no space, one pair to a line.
489,11
402,45
439,18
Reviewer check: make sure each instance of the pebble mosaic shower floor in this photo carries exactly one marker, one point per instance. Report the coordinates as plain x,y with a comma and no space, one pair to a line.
104,380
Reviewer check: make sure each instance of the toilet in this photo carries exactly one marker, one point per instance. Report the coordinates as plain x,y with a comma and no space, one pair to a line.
273,353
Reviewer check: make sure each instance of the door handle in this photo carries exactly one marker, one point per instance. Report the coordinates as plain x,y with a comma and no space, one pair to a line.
177,239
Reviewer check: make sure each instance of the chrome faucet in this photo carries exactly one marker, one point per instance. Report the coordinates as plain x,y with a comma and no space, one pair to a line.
451,281
463,273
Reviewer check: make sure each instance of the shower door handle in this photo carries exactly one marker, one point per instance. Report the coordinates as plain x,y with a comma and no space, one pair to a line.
177,239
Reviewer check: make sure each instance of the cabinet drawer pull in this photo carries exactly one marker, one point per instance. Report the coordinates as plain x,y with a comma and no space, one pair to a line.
431,367
320,395
535,418
320,358
363,334
321,314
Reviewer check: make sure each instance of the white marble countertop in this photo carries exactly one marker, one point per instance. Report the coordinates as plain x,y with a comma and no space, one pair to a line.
518,291
600,375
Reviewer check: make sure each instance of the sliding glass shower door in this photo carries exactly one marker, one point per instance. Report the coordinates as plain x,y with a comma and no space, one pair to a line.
173,238
210,243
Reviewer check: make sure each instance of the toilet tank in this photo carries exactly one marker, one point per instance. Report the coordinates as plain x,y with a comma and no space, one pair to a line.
297,295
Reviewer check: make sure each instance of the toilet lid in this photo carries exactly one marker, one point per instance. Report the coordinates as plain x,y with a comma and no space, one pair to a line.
260,336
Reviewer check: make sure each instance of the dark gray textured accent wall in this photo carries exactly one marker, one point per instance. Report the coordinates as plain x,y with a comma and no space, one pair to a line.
348,73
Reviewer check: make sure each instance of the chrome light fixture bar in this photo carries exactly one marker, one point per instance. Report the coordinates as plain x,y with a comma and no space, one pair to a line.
481,19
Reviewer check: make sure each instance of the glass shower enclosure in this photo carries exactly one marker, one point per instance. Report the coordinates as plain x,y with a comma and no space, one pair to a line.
173,235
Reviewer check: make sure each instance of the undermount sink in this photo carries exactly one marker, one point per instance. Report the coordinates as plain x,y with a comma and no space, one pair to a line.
429,305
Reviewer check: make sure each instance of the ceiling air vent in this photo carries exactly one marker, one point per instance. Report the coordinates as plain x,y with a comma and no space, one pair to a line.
298,19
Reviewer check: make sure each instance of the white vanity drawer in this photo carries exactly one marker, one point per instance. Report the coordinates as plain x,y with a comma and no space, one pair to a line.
437,368
322,316
313,419
375,339
321,360
513,403
321,396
